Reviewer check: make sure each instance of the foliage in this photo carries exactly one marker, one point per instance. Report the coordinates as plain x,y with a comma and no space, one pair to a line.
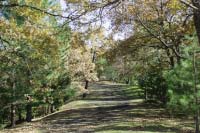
40,55
154,85
111,73
100,66
181,88
181,82
79,62
31,60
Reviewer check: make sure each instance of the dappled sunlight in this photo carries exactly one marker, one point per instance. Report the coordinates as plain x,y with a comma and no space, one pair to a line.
119,115
112,66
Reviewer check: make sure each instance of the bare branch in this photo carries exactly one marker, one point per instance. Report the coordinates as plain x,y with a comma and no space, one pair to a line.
154,35
188,4
34,8
159,38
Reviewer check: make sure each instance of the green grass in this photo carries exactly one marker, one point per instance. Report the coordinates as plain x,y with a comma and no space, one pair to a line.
121,131
101,114
153,126
133,92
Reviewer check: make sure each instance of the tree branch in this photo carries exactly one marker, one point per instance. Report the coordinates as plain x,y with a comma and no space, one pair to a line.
189,5
158,38
34,8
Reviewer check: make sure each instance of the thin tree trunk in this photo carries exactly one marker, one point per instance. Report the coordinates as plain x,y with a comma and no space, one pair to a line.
12,105
127,81
29,112
197,121
195,93
196,18
12,117
49,108
178,57
86,84
145,93
86,87
52,108
19,115
46,110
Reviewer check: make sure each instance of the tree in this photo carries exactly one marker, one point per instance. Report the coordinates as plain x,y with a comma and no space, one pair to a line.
29,53
81,66
196,11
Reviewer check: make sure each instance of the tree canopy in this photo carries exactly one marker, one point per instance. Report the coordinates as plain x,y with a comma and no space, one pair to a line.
48,45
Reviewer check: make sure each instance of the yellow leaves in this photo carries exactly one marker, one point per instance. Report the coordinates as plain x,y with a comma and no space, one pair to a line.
76,42
146,9
9,29
174,4
31,15
73,1
40,39
80,65
36,10
83,2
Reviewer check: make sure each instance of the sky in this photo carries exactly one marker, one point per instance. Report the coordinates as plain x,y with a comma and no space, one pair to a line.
106,25
63,4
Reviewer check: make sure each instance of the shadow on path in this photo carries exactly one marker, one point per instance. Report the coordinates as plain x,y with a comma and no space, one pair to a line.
105,118
121,115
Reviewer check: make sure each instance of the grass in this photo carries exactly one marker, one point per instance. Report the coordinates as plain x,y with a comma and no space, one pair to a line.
110,108
133,92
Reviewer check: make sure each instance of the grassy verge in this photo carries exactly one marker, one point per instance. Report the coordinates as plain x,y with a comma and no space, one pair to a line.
133,92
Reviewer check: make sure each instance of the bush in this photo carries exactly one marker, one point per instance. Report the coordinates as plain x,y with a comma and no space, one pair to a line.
154,85
180,83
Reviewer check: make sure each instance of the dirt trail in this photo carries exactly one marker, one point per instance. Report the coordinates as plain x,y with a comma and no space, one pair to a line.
106,110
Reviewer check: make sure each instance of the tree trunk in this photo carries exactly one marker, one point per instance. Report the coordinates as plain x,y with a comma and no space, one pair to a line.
52,108
86,84
12,117
195,93
45,110
49,108
29,112
20,115
127,81
86,87
197,122
196,18
178,58
145,93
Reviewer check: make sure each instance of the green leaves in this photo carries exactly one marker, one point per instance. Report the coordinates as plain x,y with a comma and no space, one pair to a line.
32,61
180,83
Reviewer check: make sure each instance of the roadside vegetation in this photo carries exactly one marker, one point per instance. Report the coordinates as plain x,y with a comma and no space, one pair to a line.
52,52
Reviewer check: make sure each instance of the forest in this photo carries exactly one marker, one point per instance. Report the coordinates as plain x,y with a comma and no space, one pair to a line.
105,66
